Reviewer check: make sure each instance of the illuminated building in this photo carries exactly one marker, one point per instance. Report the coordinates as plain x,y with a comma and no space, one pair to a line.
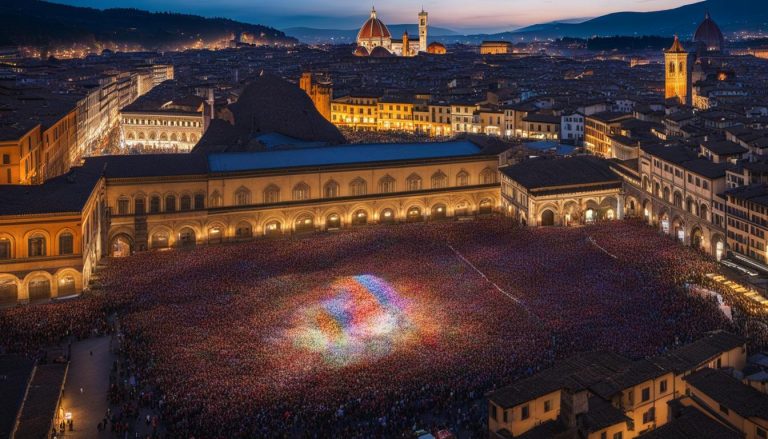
562,192
395,114
598,129
708,37
374,37
358,112
678,73
320,92
541,126
596,395
495,47
174,127
436,48
177,200
465,118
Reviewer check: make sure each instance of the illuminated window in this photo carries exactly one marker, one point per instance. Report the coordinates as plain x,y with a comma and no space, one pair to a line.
358,187
36,246
386,184
439,180
242,197
301,192
271,194
413,182
122,206
331,189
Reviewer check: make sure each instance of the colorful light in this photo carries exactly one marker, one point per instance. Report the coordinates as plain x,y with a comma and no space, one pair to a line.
362,317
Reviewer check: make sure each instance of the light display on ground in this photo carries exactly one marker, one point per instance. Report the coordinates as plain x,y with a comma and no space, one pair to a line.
360,318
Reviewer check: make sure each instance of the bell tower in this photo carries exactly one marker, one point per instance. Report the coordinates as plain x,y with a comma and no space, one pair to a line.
423,23
677,79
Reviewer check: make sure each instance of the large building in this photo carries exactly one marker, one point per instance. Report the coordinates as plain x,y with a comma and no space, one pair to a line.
52,237
678,73
374,38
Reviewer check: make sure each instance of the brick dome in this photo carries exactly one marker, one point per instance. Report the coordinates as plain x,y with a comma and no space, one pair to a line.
373,28
708,35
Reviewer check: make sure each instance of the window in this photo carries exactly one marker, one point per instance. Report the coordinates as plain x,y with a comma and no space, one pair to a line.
138,206
186,202
6,159
618,435
462,179
122,206
358,187
439,180
170,203
216,199
271,194
646,394
199,201
386,184
604,435
66,244
242,197
488,176
154,204
413,183
331,189
547,406
663,386
301,192
36,246
5,248
649,416
525,413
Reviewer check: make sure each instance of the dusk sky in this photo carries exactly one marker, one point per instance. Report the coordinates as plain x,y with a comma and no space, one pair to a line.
462,15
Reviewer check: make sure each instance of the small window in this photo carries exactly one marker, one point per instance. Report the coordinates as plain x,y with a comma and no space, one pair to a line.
186,202
646,395
6,159
547,405
525,413
122,206
138,206
649,416
604,435
663,386
5,248
154,205
170,203
618,435
199,202
36,246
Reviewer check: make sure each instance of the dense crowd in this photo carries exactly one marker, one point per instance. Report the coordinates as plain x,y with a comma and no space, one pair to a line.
212,329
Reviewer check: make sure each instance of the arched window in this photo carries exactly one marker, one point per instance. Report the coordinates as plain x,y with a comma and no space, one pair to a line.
271,194
462,178
412,183
672,67
243,230
199,202
358,187
678,199
170,203
242,197
5,248
703,210
386,184
37,246
331,189
66,244
154,204
301,192
138,206
216,199
439,180
666,194
186,202
122,206
488,176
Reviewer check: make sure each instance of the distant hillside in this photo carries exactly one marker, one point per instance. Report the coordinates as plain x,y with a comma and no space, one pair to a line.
730,15
44,24
347,36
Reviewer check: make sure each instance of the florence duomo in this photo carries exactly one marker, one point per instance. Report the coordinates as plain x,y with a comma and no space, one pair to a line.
502,220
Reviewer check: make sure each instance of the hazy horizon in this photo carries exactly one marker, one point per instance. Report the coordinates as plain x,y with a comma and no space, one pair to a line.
458,15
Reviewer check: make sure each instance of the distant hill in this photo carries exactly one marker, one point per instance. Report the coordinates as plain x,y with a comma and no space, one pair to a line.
44,24
730,15
347,36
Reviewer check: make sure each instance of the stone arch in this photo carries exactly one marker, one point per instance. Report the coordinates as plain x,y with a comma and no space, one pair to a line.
679,229
547,217
215,232
677,199
485,206
697,237
718,245
163,137
187,237
414,213
609,208
272,226
244,229
39,286
333,220
304,222
571,212
10,289
646,183
631,206
704,212
161,237
648,210
387,215
121,245
174,137
463,207
68,282
58,242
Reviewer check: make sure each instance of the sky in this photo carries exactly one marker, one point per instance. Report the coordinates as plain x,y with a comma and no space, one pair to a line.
459,15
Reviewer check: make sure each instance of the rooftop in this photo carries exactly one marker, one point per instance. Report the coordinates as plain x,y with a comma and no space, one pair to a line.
543,173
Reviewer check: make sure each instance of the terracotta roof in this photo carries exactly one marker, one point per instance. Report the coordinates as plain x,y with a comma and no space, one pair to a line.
676,47
708,35
373,28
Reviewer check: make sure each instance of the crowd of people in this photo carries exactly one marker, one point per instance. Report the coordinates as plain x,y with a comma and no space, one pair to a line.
212,330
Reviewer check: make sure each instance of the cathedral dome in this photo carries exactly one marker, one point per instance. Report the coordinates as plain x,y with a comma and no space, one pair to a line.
436,48
708,35
373,29
380,52
361,51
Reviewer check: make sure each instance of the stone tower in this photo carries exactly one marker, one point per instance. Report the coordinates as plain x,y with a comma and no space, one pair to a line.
406,44
423,23
678,73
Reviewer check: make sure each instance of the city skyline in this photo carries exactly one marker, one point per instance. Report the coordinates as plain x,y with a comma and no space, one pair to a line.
494,16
